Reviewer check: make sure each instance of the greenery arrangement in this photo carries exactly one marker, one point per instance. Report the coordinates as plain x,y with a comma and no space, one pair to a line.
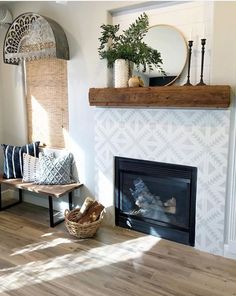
129,45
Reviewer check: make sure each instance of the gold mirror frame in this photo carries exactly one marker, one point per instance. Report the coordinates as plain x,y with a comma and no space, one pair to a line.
170,45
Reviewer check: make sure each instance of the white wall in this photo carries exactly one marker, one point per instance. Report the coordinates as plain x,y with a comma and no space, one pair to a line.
224,72
193,19
3,30
13,108
2,34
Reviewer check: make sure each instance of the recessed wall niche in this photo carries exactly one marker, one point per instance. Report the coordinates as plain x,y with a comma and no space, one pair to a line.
47,101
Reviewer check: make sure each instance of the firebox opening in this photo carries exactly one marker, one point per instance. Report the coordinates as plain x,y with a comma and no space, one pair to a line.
156,198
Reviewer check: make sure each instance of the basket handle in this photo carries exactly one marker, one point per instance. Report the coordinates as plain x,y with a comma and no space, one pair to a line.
66,213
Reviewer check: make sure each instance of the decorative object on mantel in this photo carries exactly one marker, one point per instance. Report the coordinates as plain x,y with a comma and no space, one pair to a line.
121,73
210,96
190,44
32,36
135,81
162,37
203,42
129,46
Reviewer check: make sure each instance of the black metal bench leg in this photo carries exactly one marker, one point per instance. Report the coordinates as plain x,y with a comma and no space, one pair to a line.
70,201
51,214
20,195
2,208
50,202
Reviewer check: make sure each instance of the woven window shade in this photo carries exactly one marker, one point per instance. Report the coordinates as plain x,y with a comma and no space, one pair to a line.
47,101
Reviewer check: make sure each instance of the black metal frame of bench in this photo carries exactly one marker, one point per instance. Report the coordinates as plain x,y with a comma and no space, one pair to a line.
51,215
50,202
2,208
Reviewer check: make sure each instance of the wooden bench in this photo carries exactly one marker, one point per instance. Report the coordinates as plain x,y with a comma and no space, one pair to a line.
52,191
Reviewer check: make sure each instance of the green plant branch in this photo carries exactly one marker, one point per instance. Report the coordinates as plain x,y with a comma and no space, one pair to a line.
129,45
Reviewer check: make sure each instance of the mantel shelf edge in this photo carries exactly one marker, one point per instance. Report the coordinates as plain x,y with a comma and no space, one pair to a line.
209,96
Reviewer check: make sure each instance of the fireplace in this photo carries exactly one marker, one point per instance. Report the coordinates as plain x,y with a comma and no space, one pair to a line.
156,198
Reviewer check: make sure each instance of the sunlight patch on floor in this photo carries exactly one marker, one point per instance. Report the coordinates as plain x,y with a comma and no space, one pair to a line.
46,270
47,234
41,246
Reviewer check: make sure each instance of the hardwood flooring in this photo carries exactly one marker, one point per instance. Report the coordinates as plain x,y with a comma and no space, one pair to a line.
38,260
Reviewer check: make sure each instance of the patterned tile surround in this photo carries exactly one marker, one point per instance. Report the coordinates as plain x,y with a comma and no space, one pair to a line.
189,137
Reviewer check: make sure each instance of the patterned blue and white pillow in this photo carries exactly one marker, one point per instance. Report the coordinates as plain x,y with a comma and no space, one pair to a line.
13,158
55,170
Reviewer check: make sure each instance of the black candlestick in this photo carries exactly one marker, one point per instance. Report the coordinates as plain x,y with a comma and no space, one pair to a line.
203,42
190,44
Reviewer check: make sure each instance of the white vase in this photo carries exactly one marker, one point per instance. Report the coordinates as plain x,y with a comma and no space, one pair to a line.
121,73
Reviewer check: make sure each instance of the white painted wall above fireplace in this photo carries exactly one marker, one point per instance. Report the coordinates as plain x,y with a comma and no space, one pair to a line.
193,19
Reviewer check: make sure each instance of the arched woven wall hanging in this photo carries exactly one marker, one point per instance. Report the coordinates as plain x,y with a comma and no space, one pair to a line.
32,36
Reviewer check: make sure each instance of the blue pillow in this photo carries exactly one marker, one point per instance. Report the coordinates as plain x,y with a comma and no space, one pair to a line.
13,159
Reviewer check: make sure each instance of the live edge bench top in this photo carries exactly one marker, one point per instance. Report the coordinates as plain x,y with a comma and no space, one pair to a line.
50,190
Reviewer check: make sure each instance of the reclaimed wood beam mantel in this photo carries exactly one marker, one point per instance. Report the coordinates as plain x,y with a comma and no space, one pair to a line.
212,96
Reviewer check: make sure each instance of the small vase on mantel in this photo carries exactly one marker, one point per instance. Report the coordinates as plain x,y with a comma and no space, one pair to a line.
122,72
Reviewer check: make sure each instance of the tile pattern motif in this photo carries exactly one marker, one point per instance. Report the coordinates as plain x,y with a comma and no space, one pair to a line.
188,137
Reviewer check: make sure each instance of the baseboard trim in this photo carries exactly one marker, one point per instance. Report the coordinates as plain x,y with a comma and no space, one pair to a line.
232,247
230,250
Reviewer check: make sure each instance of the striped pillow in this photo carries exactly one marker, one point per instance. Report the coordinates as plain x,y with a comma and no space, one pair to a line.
13,158
30,168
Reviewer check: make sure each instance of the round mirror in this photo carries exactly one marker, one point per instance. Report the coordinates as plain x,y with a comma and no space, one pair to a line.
173,48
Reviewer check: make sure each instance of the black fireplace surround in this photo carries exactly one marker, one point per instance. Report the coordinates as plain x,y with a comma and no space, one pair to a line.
156,198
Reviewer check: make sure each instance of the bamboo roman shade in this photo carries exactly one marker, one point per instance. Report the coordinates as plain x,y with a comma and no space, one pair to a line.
47,103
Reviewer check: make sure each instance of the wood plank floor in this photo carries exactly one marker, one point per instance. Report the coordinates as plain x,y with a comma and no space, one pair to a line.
38,260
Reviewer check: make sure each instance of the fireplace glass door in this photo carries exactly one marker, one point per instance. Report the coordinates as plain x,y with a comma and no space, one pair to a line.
156,198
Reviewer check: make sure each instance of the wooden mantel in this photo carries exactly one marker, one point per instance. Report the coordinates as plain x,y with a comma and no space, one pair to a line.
213,96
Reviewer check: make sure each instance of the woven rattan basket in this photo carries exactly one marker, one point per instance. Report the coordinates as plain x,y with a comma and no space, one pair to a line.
81,230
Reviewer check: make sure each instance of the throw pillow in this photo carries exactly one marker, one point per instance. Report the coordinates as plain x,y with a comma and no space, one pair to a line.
30,168
13,158
54,171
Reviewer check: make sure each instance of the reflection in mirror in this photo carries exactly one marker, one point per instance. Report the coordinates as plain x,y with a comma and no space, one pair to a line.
173,48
